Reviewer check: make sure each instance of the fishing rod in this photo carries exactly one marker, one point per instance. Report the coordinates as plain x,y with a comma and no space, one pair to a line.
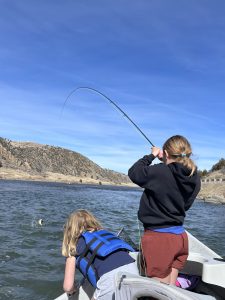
110,101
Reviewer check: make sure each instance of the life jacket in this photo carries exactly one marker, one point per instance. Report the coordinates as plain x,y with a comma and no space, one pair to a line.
98,243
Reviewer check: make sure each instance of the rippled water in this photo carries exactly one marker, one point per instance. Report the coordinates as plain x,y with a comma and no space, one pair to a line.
30,255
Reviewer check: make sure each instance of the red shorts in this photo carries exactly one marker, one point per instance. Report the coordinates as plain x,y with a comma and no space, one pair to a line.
164,251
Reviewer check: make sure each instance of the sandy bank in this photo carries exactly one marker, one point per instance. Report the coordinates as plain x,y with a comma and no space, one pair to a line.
210,192
213,192
10,174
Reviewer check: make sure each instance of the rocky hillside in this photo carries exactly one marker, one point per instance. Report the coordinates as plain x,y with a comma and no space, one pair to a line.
213,187
31,161
26,160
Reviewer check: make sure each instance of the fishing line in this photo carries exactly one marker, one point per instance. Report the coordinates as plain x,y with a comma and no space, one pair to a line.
110,101
126,237
141,261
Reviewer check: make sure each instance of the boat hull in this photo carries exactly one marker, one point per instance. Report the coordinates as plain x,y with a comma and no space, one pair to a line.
202,261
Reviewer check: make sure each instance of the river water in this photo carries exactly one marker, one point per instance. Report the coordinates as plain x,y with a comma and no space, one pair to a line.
31,265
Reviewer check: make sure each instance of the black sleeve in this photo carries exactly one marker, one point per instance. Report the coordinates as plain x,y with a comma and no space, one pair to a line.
140,172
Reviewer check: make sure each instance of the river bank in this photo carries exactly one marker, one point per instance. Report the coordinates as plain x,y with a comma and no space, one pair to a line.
11,174
213,192
213,187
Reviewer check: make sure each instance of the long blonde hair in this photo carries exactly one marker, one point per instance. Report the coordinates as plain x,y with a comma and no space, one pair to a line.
78,222
180,150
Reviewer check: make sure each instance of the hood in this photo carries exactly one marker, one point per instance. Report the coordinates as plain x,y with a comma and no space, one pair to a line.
189,186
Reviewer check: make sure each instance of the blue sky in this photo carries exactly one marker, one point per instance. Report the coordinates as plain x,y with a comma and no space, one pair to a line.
162,62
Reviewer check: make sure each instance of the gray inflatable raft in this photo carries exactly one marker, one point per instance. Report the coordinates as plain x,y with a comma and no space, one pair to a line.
202,261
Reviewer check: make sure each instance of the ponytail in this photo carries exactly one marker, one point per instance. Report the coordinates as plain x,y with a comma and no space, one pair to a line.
180,150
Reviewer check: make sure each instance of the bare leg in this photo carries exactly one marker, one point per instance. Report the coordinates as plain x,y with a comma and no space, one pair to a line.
173,276
170,279
165,279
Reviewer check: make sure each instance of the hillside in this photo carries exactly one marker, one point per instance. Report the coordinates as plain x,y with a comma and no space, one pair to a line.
31,161
213,187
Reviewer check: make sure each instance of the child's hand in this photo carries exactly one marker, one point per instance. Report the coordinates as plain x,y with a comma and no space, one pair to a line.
156,151
160,155
75,289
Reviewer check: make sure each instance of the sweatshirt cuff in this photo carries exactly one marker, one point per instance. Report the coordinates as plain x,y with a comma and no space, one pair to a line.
149,158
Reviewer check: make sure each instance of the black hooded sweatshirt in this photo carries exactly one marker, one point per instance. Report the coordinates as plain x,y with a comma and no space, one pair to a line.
169,191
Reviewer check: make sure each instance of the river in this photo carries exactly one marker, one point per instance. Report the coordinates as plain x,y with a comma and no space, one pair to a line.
30,258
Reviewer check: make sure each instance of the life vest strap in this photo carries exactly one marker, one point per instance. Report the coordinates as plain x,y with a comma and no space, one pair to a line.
95,250
98,244
95,238
91,259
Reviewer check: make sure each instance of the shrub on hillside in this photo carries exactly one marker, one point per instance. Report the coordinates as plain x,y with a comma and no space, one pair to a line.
203,173
219,166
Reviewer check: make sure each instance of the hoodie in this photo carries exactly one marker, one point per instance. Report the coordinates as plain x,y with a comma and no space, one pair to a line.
169,192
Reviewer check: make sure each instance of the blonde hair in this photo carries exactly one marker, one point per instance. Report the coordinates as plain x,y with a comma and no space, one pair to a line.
78,222
180,150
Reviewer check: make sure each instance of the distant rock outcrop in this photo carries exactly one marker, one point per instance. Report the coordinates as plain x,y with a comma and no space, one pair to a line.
213,187
27,160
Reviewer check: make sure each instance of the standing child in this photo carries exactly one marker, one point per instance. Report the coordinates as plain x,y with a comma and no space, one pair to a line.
170,188
97,253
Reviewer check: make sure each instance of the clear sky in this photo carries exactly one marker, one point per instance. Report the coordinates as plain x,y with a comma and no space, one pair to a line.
162,62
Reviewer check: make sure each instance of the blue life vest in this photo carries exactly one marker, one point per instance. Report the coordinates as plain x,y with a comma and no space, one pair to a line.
98,243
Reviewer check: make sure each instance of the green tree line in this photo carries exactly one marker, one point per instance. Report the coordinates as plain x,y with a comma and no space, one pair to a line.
218,166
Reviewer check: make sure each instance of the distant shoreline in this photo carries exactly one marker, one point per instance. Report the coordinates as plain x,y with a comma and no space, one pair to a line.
10,174
210,192
212,199
213,192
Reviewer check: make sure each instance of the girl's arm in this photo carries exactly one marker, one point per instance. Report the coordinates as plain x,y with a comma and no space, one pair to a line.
139,173
69,277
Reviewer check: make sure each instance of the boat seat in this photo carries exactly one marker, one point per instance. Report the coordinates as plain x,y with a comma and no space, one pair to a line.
211,270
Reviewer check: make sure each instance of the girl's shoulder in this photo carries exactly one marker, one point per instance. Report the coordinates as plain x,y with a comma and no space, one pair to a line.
81,245
161,167
160,171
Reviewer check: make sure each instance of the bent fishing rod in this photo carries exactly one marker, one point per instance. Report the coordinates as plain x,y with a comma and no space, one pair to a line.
111,102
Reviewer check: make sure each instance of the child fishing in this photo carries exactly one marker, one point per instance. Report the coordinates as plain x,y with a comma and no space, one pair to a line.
170,189
97,253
